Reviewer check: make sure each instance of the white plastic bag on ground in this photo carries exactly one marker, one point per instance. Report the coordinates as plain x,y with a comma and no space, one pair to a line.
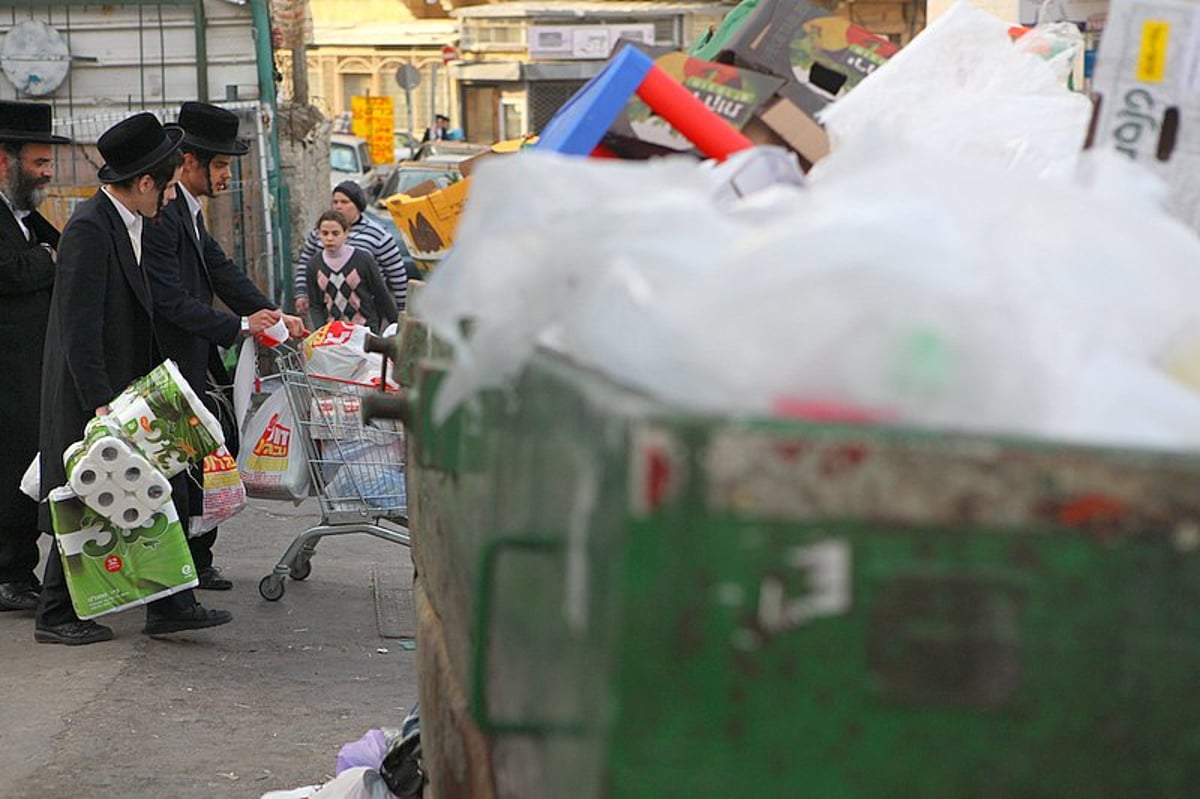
355,783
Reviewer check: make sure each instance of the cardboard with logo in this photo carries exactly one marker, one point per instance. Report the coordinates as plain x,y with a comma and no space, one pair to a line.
733,94
820,54
427,218
1148,105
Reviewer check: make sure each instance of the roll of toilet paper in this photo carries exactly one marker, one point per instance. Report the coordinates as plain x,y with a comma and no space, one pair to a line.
133,472
85,475
104,499
154,492
127,513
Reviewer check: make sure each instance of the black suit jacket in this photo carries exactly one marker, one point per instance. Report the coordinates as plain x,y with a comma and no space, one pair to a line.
26,281
100,335
185,274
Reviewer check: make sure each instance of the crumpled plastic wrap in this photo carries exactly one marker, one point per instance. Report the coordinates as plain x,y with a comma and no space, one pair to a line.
965,271
962,86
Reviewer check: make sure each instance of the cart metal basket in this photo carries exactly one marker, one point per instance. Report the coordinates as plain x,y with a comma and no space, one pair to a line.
357,467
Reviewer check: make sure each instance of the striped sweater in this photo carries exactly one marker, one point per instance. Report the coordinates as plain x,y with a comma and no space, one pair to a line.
365,234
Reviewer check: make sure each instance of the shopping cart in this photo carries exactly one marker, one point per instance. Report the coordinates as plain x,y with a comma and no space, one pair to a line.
357,467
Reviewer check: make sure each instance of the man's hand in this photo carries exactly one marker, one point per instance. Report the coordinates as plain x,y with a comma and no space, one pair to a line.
295,326
102,410
261,320
302,305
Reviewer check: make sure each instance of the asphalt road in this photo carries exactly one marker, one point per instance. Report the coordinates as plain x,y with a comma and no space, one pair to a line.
260,704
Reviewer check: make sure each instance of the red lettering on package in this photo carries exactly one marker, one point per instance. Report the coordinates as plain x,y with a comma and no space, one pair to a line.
275,440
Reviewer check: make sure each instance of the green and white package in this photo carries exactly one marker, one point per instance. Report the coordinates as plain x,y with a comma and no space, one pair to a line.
164,419
110,569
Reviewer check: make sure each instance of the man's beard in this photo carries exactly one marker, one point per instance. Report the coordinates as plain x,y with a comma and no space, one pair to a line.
23,191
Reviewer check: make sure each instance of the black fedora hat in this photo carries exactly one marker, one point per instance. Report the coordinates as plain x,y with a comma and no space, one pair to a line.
134,145
210,128
27,123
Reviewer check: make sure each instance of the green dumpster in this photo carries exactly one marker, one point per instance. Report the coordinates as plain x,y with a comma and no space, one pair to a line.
617,599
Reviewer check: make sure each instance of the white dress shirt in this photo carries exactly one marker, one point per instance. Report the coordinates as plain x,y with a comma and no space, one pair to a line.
193,206
133,223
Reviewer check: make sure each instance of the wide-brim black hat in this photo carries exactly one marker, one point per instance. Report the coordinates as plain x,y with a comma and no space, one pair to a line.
135,145
27,123
211,128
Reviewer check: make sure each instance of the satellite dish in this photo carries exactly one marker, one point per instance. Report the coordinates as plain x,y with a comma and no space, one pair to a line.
35,58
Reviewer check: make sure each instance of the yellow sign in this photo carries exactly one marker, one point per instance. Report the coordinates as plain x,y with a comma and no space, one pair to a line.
1152,56
371,118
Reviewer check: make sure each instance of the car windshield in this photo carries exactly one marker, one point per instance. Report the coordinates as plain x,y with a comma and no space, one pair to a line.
403,179
342,158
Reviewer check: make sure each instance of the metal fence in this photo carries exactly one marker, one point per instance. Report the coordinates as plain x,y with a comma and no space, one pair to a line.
242,219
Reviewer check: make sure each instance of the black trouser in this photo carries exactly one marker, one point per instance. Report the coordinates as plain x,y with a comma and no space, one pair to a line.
55,606
19,549
201,549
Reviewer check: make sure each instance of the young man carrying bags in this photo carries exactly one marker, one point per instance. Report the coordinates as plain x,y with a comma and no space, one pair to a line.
187,269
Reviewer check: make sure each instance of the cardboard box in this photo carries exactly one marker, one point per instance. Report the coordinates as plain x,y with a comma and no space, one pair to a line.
1148,106
825,54
783,122
733,94
427,220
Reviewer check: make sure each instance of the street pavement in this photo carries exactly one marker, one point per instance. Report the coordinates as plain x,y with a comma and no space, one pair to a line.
260,704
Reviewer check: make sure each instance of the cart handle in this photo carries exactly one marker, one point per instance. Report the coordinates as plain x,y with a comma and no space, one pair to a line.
388,406
385,346
483,622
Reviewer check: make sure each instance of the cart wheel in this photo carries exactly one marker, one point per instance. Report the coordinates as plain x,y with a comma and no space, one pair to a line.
271,587
301,570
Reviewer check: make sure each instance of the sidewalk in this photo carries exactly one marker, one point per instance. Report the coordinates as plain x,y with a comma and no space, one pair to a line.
260,704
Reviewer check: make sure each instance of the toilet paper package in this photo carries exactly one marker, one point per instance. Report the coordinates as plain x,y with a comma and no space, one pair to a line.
109,568
165,420
113,478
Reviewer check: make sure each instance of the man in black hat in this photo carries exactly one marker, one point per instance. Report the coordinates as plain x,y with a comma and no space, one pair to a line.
187,268
27,250
101,338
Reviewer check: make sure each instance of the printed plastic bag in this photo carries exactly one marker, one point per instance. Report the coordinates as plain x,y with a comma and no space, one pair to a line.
336,350
224,494
245,382
272,459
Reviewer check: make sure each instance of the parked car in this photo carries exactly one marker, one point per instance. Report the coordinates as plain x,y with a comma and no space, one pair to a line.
405,147
350,159
448,152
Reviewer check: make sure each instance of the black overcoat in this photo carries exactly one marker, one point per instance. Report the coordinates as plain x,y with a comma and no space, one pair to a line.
26,281
187,268
100,336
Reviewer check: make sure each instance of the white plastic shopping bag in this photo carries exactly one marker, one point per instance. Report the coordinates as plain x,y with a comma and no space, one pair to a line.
272,460
31,481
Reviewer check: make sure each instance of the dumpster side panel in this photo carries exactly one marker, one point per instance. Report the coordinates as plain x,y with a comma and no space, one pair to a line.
860,630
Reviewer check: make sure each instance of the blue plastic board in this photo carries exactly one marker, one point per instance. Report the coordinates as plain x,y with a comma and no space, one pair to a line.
580,124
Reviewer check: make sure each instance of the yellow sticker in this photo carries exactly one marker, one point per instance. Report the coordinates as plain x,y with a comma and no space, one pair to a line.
1152,56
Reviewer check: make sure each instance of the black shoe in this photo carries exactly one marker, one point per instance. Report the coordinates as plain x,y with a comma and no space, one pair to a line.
197,617
73,633
18,596
211,579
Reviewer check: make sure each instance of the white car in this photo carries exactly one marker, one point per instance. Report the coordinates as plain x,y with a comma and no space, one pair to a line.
350,159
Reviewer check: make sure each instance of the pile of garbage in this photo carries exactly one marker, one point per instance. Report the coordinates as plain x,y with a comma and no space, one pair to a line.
944,254
383,764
